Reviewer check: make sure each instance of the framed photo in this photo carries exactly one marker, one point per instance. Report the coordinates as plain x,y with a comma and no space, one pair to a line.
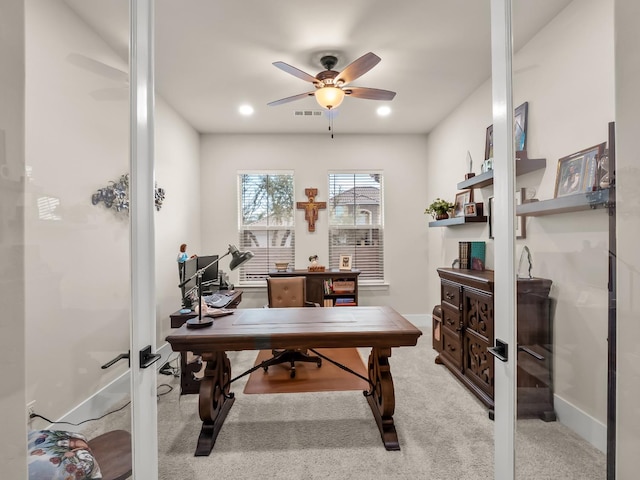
490,215
488,143
520,126
519,132
578,172
345,262
520,223
465,196
470,210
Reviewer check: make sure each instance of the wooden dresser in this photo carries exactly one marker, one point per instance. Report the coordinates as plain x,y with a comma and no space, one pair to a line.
466,330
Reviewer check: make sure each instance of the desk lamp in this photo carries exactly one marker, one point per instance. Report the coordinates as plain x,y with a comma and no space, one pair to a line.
237,259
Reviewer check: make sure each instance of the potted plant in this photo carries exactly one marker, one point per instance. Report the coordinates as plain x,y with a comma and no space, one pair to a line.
439,209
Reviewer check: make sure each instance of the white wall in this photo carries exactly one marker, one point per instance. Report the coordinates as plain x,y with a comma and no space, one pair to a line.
12,325
77,267
402,158
564,73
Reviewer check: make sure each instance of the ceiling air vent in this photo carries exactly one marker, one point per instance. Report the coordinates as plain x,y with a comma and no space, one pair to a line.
307,113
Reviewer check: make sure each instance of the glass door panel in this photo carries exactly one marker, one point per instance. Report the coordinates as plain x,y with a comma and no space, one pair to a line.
76,228
562,236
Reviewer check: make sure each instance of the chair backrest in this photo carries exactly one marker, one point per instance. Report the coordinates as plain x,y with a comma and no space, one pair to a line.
286,292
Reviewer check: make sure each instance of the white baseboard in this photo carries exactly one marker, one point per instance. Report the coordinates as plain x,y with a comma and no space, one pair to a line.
587,427
112,395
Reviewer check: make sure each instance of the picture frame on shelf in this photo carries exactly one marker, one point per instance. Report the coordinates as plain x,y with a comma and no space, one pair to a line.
465,196
578,172
519,132
345,263
520,126
488,143
490,215
470,210
520,223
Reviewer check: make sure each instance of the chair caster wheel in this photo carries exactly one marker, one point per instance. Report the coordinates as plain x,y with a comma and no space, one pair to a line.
319,363
265,369
292,374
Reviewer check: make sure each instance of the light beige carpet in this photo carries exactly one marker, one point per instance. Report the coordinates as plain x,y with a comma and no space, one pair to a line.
309,378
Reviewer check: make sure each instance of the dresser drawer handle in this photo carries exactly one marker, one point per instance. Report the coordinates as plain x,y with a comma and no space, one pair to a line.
449,296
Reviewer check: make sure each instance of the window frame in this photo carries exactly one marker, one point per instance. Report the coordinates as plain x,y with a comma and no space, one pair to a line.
379,274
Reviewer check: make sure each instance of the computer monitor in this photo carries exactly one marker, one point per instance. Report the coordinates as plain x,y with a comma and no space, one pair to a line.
210,275
190,268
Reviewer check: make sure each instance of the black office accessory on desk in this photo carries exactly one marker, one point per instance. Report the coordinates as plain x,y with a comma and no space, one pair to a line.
238,258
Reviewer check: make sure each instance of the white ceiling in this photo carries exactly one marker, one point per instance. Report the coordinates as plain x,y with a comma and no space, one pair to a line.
214,55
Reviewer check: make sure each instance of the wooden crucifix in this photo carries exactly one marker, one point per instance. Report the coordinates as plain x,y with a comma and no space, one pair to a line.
311,207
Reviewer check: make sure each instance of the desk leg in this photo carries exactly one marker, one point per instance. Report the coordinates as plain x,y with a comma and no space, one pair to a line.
382,398
215,401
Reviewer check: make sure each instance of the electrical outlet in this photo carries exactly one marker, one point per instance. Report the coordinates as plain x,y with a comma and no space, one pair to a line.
31,408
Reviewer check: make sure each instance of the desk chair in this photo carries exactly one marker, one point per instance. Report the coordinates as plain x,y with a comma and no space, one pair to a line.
112,451
284,292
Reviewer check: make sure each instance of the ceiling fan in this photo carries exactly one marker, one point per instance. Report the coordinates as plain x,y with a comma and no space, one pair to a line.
331,86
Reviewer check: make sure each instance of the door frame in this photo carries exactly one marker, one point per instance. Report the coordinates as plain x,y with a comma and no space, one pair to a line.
504,238
144,417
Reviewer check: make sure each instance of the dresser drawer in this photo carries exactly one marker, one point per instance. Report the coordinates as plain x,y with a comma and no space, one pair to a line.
451,318
450,294
451,348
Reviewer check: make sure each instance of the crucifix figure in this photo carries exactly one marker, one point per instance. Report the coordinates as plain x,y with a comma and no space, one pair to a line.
311,207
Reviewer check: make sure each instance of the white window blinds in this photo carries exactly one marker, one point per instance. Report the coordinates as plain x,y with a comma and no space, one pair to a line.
356,225
266,222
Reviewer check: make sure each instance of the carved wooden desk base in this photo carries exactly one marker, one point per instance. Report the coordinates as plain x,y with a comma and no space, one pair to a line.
216,400
380,328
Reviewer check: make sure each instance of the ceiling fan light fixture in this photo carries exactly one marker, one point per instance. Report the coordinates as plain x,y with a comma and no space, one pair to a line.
329,97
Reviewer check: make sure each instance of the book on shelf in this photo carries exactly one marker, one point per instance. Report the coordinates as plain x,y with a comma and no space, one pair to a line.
344,286
464,254
477,255
346,301
328,302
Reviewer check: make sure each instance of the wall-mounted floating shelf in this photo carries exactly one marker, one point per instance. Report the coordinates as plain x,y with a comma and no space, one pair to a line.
571,203
451,222
523,166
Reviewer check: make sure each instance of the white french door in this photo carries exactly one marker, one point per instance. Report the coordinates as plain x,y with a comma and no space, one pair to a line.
504,237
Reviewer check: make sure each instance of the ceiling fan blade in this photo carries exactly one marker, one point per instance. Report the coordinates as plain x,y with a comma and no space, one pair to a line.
357,68
97,67
296,72
291,99
370,93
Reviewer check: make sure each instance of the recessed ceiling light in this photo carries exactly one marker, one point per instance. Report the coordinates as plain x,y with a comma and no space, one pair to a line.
246,110
383,111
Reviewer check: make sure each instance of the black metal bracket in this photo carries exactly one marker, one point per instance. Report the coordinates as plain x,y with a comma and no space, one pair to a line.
147,358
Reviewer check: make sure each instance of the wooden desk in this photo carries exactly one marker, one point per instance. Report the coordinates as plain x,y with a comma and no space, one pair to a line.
188,382
381,328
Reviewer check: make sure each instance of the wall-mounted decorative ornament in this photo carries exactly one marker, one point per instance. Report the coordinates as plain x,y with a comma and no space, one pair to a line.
116,195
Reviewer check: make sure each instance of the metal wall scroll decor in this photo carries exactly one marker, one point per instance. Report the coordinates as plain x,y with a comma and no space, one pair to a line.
116,195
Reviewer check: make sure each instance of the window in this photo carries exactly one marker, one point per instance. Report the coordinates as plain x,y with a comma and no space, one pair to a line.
266,222
356,222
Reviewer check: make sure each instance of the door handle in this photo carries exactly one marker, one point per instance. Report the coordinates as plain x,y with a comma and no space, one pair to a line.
500,351
147,358
530,352
117,359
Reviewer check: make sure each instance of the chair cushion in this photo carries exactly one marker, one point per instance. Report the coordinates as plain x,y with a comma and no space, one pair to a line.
60,455
286,292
